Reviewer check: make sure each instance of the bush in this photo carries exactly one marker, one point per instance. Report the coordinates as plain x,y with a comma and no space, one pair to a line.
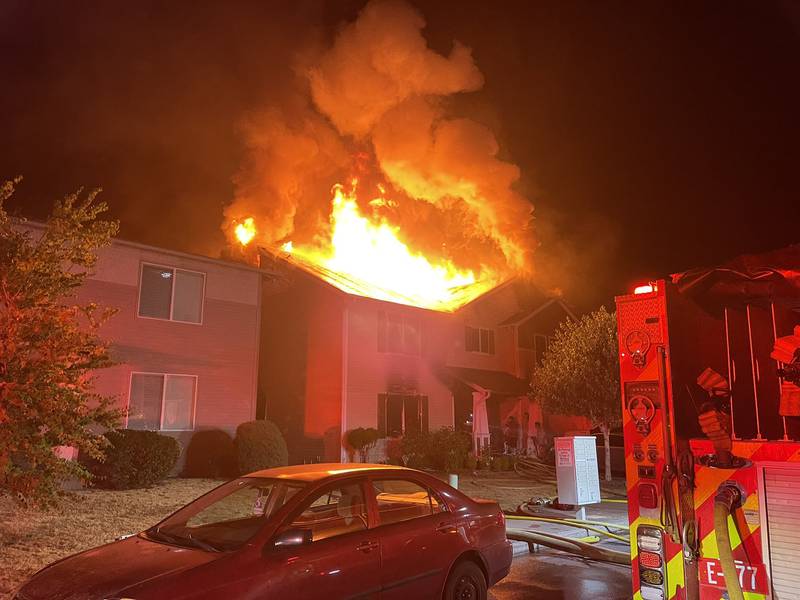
449,448
259,445
471,462
210,454
361,440
445,449
135,459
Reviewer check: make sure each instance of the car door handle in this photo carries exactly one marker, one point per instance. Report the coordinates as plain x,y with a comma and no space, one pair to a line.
447,528
367,547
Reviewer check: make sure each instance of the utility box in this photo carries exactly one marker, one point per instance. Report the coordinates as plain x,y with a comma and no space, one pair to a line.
576,470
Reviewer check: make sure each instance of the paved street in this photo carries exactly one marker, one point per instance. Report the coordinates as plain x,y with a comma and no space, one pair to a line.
552,575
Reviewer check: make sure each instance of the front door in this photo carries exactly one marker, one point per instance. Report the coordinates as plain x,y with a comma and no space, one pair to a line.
343,558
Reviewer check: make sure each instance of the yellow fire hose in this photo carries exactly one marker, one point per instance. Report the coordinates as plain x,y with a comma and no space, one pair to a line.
579,524
727,497
570,545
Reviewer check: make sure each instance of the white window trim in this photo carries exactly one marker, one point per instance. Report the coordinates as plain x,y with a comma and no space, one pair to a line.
479,351
172,297
163,398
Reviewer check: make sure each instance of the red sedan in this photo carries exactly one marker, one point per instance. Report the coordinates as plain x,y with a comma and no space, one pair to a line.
310,531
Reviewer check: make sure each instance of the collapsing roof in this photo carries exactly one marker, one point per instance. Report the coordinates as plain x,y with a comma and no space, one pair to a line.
458,297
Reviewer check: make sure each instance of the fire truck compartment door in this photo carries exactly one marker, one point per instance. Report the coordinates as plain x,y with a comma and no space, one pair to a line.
781,506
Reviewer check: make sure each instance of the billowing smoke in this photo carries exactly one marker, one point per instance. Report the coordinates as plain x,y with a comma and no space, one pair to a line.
376,105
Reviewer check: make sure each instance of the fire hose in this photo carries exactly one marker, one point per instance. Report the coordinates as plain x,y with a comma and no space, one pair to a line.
570,545
580,524
727,498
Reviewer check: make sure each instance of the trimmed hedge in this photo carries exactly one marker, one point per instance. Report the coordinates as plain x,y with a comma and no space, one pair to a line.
210,453
135,459
259,445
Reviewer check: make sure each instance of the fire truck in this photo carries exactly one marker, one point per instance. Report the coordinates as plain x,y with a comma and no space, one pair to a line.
709,371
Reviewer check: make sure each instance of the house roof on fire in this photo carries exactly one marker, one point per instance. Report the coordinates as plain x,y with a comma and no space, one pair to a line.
497,382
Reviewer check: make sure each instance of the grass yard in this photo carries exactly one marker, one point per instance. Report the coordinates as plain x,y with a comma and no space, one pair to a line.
31,539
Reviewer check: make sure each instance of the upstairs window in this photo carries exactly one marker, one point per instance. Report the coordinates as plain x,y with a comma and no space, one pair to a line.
162,402
171,294
398,334
479,340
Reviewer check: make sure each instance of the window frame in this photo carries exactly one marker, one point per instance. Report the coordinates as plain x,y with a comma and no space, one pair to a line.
383,319
174,270
313,494
372,499
163,398
491,340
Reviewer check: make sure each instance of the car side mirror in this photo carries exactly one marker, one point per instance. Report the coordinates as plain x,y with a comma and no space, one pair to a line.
293,537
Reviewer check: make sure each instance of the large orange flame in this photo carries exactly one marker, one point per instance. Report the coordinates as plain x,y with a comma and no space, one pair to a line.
245,231
367,257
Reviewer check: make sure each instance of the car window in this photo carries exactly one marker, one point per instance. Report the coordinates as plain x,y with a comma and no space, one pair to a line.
336,511
228,516
402,500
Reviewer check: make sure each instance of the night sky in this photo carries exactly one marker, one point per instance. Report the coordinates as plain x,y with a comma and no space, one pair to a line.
652,136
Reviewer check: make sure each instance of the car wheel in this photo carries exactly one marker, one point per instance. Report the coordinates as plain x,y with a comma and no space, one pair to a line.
466,582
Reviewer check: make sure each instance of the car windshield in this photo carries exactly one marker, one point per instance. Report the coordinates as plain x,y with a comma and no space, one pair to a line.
227,517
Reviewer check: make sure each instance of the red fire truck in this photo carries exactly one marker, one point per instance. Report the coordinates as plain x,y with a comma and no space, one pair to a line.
710,368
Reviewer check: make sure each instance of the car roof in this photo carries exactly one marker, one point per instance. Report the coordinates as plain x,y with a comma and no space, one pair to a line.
315,472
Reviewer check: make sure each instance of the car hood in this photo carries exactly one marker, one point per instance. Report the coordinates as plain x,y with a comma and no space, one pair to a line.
107,570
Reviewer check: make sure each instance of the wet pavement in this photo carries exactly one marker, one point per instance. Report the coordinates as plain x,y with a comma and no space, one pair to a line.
552,575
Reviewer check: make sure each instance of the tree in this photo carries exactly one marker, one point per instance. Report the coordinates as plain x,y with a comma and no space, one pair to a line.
580,374
49,347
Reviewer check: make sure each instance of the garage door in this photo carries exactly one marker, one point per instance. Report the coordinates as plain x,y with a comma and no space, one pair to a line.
782,508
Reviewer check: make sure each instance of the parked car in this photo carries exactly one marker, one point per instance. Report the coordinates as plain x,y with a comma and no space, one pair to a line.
309,531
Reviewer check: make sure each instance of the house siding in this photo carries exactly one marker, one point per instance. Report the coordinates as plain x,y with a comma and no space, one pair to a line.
370,373
222,351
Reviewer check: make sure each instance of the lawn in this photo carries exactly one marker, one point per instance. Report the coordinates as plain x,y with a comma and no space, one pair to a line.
31,539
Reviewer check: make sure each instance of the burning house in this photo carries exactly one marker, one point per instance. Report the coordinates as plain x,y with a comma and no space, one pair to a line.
333,361
402,239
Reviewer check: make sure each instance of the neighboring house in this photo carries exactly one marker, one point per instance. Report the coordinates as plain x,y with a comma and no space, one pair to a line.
185,338
333,361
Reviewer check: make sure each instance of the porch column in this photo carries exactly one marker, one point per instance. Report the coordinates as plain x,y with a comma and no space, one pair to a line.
480,422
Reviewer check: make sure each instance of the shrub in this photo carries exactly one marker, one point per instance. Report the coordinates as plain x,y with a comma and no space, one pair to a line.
415,448
210,453
471,462
445,449
361,440
259,445
449,448
135,459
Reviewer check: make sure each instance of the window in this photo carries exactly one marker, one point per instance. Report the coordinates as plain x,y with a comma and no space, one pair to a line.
398,334
479,340
401,413
228,516
335,512
402,500
161,401
171,294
